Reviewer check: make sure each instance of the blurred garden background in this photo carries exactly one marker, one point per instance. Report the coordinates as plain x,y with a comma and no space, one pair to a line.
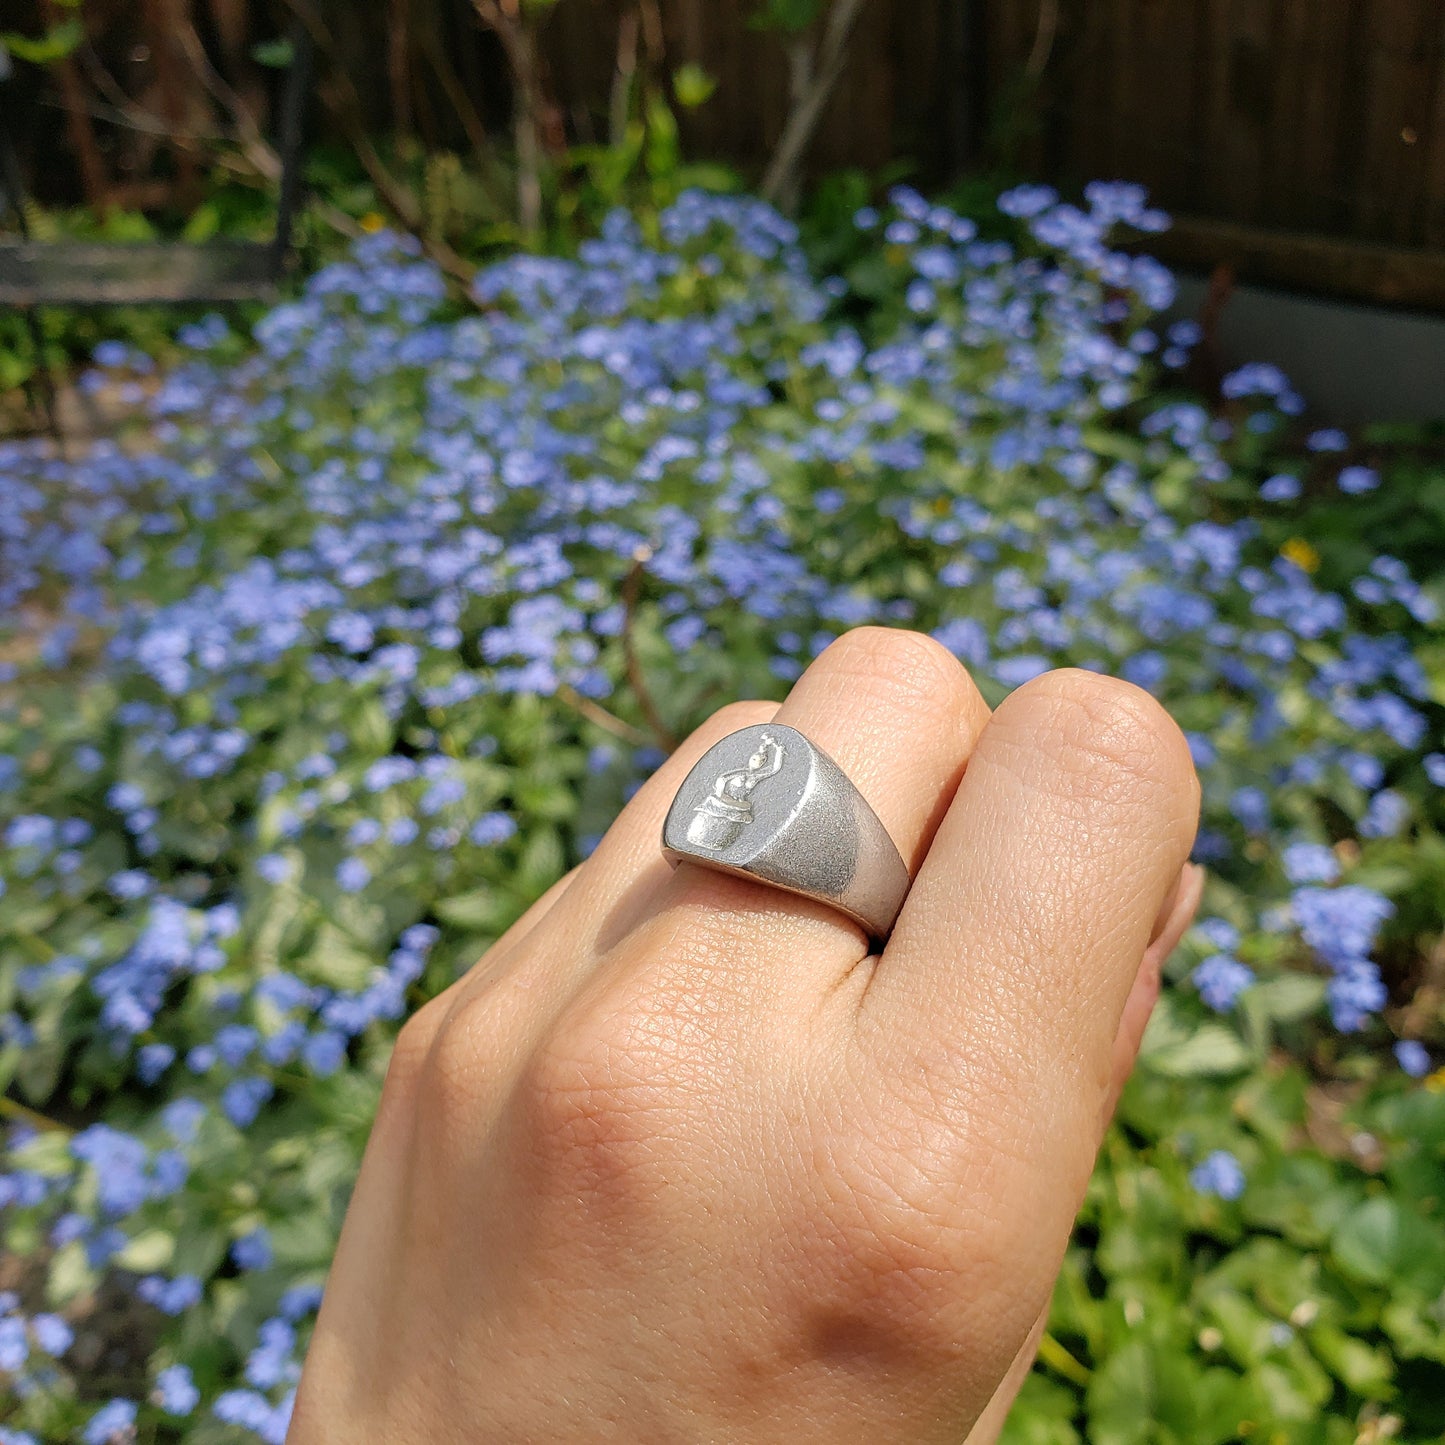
615,356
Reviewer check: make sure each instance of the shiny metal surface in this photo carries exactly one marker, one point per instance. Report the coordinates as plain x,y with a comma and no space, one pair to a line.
768,804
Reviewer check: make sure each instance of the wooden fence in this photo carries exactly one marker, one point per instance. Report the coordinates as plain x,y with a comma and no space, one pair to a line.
1302,141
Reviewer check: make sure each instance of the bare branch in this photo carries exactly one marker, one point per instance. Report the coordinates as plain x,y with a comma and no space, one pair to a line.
807,110
248,133
341,99
636,677
504,19
456,93
93,177
1043,47
594,712
629,32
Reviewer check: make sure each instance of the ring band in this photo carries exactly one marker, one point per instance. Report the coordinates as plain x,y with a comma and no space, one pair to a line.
765,803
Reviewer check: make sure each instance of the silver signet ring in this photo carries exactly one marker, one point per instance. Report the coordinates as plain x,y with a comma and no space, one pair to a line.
766,803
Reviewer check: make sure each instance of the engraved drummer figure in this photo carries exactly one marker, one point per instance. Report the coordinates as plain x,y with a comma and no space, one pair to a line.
720,819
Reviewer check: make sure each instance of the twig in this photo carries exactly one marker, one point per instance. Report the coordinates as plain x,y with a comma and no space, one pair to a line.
629,31
163,18
456,93
504,19
345,105
800,81
1044,36
807,111
14,1109
594,712
248,133
636,678
77,123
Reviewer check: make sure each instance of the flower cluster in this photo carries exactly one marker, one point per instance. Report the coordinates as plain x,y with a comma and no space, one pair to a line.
313,705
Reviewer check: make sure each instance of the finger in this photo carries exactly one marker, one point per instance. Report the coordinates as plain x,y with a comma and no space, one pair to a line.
899,714
601,893
627,867
1000,995
1174,920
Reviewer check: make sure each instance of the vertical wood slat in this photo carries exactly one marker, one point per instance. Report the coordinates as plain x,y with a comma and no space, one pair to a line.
1400,87
1284,113
1432,141
1290,25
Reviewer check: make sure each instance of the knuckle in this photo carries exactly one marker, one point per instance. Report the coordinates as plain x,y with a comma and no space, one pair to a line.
907,666
733,716
593,1112
1108,726
919,1262
451,1068
413,1046
464,1056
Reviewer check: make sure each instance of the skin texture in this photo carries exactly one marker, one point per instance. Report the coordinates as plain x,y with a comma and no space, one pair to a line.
680,1160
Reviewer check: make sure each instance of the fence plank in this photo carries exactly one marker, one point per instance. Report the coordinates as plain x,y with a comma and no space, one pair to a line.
1317,116
1402,276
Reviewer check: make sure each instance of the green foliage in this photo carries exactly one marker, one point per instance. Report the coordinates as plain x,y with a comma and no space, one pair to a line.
355,596
692,85
274,54
69,335
788,16
1311,1310
57,42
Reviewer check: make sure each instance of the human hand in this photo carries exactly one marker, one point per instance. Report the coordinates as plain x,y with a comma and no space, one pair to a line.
680,1160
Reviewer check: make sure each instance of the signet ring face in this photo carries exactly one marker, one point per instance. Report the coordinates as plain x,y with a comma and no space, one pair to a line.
765,803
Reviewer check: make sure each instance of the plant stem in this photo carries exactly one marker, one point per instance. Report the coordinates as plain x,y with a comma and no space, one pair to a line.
21,1113
594,712
1058,1359
504,19
807,110
345,105
636,678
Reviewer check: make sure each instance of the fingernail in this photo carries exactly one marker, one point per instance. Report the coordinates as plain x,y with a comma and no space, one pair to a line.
1189,883
1167,907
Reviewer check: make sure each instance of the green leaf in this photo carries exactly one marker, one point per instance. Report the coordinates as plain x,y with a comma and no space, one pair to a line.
789,16
205,222
148,1252
1043,1414
664,150
1121,1398
274,54
372,731
479,911
335,960
54,45
692,85
1212,1051
1364,1370
1376,1241
1289,997
70,1274
543,862
200,1250
303,1238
